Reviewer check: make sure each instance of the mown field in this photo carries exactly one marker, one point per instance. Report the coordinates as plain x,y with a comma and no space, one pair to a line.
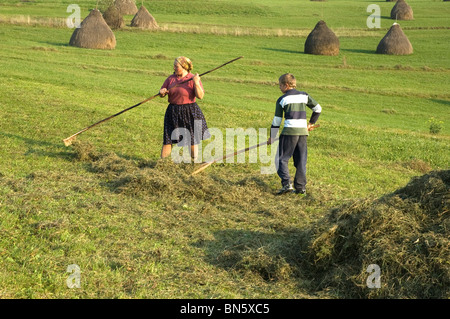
139,227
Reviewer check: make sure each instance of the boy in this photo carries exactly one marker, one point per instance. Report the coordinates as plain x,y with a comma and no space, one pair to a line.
292,104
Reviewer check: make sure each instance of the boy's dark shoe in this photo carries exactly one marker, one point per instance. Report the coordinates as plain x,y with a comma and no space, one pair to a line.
301,192
285,189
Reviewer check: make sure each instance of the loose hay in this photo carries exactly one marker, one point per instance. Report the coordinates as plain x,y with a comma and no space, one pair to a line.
406,233
165,179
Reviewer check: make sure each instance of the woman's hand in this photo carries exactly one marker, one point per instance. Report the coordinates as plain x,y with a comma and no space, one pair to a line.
196,79
163,92
199,93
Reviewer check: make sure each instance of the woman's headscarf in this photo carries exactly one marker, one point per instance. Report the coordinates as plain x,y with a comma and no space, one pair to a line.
185,63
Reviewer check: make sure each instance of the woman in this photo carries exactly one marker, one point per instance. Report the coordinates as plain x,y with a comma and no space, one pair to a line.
183,88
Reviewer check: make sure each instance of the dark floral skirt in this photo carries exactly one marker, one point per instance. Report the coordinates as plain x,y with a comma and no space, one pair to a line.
182,122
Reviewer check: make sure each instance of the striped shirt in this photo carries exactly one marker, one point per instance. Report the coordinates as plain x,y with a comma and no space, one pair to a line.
292,104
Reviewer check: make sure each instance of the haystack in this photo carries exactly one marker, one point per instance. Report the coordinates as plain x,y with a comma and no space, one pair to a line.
113,18
395,42
402,11
93,33
406,233
322,41
144,20
126,7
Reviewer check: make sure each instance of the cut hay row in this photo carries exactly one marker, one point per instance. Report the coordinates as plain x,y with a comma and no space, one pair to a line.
320,41
95,33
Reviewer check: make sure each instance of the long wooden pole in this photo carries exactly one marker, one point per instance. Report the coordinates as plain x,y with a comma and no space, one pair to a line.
67,141
205,165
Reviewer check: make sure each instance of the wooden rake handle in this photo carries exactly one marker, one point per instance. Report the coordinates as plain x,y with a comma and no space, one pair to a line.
206,165
67,141
70,139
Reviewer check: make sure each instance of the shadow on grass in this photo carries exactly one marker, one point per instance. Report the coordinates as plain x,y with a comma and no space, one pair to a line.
271,256
284,50
441,101
359,51
41,147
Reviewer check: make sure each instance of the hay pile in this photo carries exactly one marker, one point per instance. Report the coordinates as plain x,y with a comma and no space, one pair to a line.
126,7
93,33
156,180
402,11
144,20
405,233
322,41
113,18
395,42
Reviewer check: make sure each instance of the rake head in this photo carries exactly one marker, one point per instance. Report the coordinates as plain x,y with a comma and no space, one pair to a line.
68,141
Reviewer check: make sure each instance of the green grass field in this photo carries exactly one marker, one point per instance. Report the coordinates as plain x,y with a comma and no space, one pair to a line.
139,227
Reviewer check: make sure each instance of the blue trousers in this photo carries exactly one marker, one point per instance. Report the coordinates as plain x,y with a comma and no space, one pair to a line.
293,146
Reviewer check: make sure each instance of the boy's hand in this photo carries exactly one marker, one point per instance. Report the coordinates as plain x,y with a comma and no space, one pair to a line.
312,126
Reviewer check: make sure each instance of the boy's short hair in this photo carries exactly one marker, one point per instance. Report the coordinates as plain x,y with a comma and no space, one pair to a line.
288,79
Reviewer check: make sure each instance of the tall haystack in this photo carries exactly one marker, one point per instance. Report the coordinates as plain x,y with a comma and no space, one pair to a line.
402,11
144,20
126,7
395,42
93,33
113,17
322,41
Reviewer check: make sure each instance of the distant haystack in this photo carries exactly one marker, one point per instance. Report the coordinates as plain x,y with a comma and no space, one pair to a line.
395,42
93,33
402,11
144,20
113,17
126,7
322,41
